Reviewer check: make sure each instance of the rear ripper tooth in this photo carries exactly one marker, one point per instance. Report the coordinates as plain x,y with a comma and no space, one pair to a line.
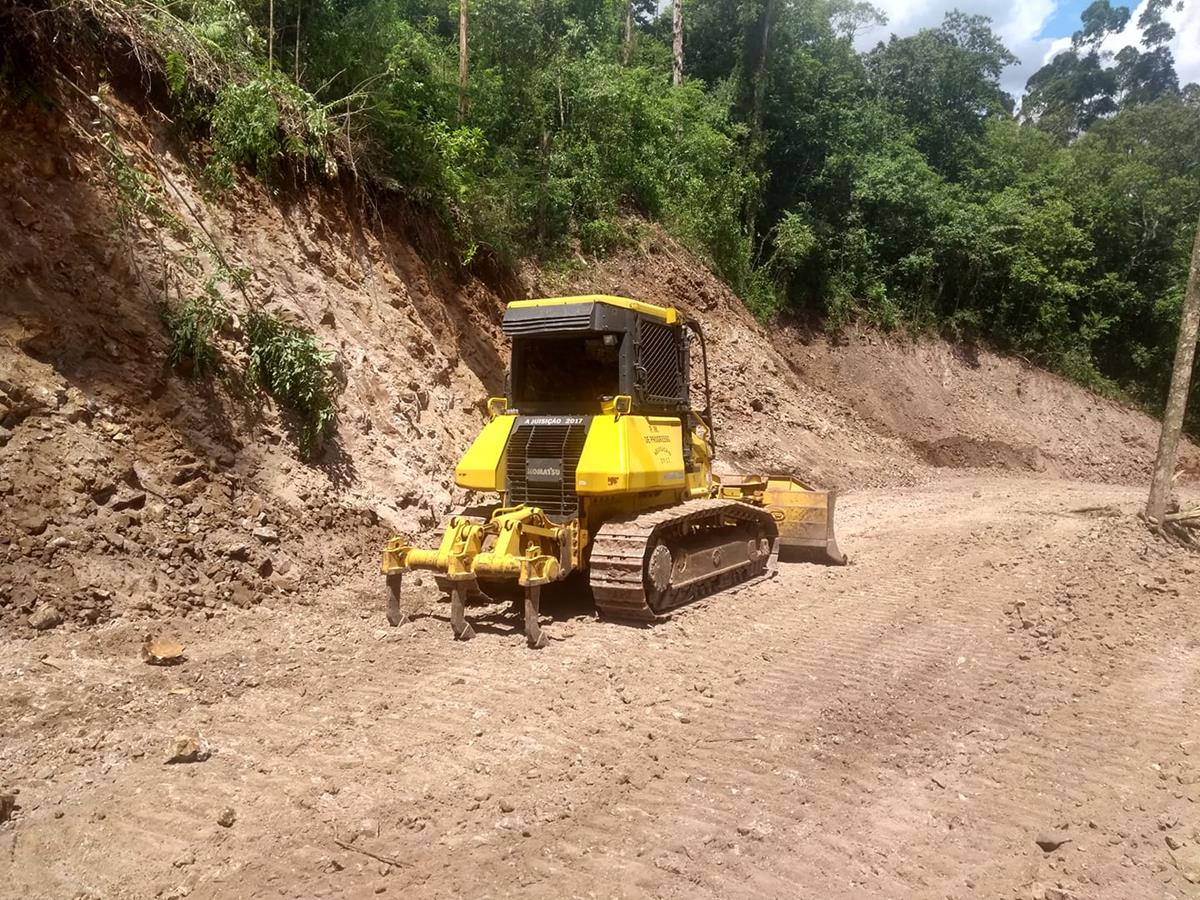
620,549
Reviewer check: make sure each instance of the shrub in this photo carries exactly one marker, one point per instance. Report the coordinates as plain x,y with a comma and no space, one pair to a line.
193,326
245,125
287,362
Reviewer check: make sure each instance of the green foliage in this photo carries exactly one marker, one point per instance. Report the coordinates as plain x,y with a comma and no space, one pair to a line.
945,82
248,128
896,186
193,326
245,123
1077,88
175,71
289,363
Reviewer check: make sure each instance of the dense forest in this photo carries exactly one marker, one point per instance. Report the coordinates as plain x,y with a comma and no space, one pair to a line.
901,185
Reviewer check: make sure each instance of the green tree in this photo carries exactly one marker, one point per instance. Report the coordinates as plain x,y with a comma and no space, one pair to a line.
945,82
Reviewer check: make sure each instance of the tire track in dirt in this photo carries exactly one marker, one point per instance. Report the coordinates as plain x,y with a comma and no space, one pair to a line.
958,627
889,729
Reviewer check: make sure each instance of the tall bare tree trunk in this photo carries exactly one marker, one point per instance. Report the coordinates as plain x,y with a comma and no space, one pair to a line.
270,34
296,55
464,62
677,51
627,53
758,96
1181,377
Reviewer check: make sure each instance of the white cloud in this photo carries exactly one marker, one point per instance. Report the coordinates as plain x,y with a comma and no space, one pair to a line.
1019,22
1185,47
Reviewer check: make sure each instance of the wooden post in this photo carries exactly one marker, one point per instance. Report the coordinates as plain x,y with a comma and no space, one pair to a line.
1181,377
677,49
464,64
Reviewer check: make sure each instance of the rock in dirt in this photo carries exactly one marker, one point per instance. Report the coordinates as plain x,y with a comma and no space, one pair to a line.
240,552
1187,860
128,499
8,803
35,523
227,817
506,807
46,617
267,534
1050,841
188,748
162,651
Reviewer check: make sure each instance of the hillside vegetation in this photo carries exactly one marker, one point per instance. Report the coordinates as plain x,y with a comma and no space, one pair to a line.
900,185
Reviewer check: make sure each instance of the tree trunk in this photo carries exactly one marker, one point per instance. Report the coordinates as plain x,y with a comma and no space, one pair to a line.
758,96
270,34
464,63
677,49
1181,377
627,52
760,71
296,59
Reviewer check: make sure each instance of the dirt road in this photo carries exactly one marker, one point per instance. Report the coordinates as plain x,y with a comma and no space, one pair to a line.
995,668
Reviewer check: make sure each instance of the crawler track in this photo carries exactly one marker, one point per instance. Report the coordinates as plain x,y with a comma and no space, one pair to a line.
620,548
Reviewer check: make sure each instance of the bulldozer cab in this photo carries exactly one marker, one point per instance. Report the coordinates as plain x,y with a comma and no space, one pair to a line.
575,355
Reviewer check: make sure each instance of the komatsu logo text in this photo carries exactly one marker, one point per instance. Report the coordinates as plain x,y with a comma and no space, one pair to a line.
544,470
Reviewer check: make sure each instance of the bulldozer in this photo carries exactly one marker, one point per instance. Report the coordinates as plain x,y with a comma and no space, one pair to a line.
603,466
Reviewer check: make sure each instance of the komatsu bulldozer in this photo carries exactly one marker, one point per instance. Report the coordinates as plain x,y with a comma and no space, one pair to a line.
603,465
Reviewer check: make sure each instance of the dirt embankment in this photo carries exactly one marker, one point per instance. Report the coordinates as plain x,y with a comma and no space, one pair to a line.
968,407
128,489
870,408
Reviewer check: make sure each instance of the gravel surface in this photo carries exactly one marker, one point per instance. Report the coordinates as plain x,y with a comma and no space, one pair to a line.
1007,661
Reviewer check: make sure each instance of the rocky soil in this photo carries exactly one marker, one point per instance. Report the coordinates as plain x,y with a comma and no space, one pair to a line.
997,699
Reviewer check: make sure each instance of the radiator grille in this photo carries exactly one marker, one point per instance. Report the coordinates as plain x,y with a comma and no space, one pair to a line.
660,369
536,484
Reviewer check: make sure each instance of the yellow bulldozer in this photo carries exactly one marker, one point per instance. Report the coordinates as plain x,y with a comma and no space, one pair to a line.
603,466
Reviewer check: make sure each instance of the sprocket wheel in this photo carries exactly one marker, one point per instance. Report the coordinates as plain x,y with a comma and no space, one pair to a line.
659,568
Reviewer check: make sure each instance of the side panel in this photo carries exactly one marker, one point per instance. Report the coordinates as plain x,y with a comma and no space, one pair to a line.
699,480
631,453
480,467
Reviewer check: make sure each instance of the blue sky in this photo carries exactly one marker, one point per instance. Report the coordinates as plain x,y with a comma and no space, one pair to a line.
1064,20
1035,30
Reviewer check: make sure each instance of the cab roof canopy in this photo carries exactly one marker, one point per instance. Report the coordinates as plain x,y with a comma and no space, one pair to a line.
592,312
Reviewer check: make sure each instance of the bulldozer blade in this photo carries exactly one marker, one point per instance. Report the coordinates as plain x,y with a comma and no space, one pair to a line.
802,513
826,554
458,613
805,518
534,636
394,615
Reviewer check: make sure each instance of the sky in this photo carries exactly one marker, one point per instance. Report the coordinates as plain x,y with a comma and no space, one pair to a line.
1034,30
